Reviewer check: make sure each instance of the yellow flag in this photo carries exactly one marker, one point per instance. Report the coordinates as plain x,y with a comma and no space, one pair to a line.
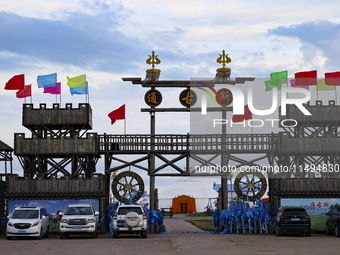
323,87
77,82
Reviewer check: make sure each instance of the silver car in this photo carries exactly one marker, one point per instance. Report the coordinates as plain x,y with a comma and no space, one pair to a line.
28,221
79,219
130,219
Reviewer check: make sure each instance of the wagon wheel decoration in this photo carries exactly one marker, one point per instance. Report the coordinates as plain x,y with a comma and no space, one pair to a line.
250,185
127,187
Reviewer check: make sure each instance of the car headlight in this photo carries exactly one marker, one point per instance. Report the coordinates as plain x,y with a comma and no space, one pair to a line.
35,224
63,220
91,220
10,224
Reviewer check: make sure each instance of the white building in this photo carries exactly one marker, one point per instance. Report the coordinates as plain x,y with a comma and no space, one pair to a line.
201,188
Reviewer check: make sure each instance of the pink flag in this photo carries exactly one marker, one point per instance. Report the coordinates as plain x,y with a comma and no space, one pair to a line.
53,90
292,83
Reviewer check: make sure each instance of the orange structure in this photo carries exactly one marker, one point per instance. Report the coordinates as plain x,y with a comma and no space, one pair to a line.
183,204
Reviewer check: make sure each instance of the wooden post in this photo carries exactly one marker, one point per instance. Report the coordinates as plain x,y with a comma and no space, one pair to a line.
152,165
224,179
106,187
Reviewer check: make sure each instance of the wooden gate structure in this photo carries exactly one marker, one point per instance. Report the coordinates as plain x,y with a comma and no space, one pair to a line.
59,159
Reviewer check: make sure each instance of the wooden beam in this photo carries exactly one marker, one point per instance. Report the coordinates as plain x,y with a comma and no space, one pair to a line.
209,109
127,164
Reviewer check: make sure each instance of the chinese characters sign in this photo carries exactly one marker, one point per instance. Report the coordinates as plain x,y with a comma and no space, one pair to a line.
153,98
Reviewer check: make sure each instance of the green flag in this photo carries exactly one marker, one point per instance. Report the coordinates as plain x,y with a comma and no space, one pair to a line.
270,86
321,86
279,78
77,82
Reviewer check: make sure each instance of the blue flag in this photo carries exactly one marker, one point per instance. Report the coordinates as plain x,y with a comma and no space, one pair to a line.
79,91
47,81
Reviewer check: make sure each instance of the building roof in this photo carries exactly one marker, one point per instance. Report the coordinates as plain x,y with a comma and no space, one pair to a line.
190,186
4,147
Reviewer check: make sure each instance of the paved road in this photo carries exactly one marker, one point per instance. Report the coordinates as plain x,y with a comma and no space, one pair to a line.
182,238
177,244
177,224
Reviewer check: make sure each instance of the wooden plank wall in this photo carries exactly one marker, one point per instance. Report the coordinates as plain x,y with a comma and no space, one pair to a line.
95,184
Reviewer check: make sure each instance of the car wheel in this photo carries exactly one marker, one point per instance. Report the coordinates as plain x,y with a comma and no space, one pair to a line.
278,232
143,234
115,235
63,236
131,219
327,230
337,231
94,234
308,233
47,231
9,238
41,233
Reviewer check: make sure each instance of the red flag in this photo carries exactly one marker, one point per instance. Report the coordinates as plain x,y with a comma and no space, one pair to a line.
306,78
26,92
118,114
246,116
16,82
332,79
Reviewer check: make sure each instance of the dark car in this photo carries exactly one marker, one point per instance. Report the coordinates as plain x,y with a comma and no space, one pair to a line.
333,222
291,220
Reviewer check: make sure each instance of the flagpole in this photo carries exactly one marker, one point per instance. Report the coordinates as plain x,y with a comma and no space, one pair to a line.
336,96
31,93
25,93
124,118
87,92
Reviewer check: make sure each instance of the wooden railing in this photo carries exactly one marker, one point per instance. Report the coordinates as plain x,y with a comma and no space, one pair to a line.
190,143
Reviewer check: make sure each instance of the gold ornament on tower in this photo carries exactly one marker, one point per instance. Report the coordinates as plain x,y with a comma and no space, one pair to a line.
223,73
153,73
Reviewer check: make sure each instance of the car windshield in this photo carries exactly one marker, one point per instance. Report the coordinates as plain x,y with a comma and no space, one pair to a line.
81,210
126,210
25,214
294,212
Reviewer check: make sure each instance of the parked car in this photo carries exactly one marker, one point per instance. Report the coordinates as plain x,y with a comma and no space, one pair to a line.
28,221
292,220
79,219
130,219
333,222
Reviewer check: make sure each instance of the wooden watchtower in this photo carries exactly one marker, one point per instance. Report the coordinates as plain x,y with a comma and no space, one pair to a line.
60,143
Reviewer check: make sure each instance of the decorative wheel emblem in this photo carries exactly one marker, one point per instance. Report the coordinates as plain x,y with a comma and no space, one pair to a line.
250,186
127,187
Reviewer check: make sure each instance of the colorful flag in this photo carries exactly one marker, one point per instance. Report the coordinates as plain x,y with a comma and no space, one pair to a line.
77,82
16,82
292,83
26,92
118,114
270,86
308,78
80,91
279,78
53,90
246,116
332,79
323,87
46,81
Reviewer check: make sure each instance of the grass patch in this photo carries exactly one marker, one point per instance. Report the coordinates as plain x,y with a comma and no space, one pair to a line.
318,222
205,225
201,214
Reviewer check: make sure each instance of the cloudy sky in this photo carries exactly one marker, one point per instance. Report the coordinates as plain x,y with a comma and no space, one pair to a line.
109,39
